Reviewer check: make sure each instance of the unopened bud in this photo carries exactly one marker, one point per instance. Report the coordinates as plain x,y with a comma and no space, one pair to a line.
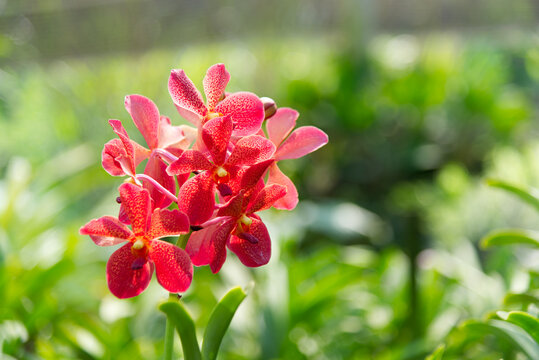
119,200
269,107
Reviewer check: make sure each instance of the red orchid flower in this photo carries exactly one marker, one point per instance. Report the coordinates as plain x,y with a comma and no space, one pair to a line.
121,156
239,229
130,268
245,109
301,142
228,174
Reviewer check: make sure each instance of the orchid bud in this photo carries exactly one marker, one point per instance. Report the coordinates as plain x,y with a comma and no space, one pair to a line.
269,107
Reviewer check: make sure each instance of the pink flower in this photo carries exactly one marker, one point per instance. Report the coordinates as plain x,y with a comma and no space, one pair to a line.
130,268
240,170
300,142
238,228
245,109
121,156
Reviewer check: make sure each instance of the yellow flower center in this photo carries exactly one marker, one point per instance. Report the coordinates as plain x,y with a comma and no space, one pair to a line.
221,172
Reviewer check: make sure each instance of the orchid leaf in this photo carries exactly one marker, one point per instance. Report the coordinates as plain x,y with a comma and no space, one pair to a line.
527,322
178,315
219,322
511,237
529,195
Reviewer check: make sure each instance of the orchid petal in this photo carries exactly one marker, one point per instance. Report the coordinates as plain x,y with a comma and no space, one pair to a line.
247,177
301,142
290,200
173,267
145,115
106,231
190,116
251,149
184,93
246,111
267,197
112,153
173,136
197,199
166,222
124,281
208,246
132,153
136,203
281,124
191,160
215,83
157,169
234,206
250,253
216,136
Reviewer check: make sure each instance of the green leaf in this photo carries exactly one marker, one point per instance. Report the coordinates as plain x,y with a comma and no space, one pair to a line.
529,323
520,299
437,354
219,322
508,331
511,237
178,315
529,195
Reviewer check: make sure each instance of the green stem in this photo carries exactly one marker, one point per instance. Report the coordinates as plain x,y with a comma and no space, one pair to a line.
169,327
169,335
182,240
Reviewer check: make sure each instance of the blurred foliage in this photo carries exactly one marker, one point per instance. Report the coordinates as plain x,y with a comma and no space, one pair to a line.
383,263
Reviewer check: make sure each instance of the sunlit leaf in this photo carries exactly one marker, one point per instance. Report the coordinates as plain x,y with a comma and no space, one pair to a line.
507,331
523,299
178,315
524,320
437,354
511,237
529,195
219,321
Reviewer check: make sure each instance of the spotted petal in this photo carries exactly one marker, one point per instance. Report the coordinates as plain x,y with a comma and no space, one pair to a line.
145,115
266,197
251,149
245,178
136,204
166,222
197,198
184,93
216,136
173,267
301,142
106,231
208,246
191,160
215,83
124,281
246,111
254,249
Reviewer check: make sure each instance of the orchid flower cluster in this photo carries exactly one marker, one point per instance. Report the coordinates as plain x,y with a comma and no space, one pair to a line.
215,176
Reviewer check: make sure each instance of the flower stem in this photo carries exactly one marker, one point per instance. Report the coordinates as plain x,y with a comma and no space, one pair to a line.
169,334
169,327
159,187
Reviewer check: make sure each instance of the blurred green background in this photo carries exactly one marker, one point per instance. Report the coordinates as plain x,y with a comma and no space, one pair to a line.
422,101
